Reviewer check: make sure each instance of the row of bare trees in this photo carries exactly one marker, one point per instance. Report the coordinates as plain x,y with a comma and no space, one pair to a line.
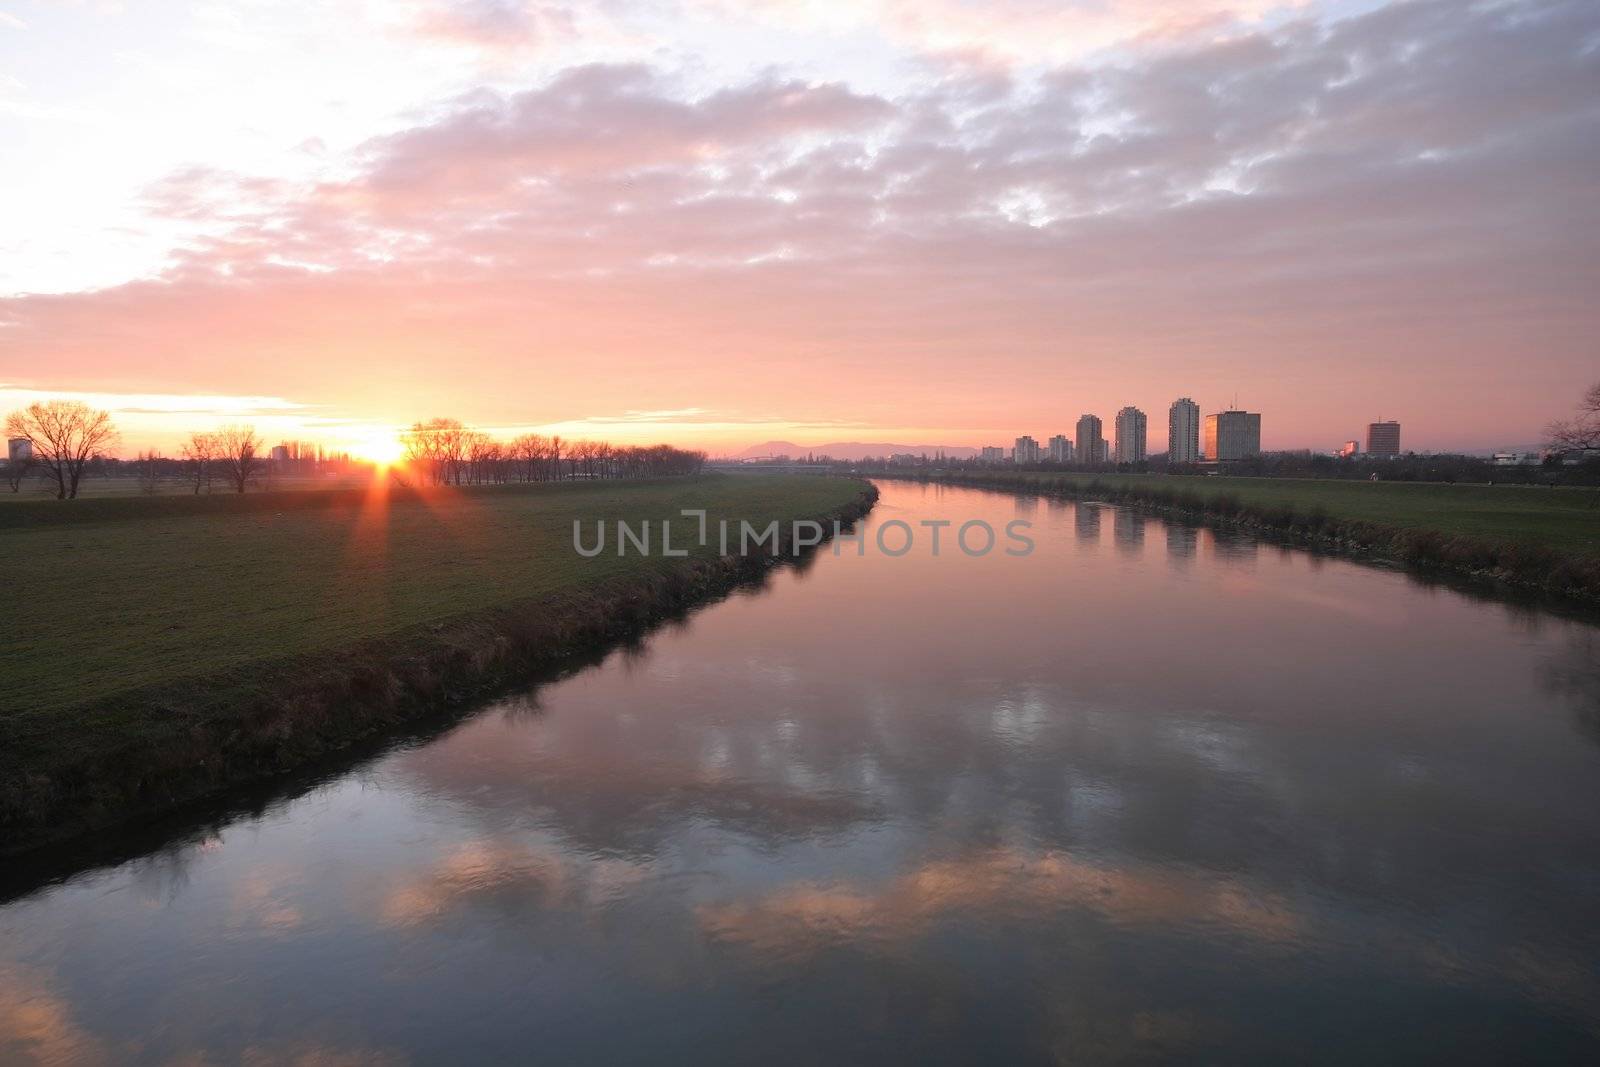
232,453
447,452
64,436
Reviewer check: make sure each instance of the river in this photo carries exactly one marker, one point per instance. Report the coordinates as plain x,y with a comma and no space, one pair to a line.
1148,792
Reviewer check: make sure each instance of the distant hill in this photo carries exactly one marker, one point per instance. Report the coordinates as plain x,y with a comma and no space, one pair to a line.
851,450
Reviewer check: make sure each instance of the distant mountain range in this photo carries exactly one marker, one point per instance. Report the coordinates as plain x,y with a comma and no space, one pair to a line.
851,450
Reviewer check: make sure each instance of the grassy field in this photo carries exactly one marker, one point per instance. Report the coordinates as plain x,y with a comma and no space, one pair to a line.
95,487
163,648
1564,519
113,594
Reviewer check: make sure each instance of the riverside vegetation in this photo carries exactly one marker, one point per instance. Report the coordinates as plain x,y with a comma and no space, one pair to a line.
1537,538
165,648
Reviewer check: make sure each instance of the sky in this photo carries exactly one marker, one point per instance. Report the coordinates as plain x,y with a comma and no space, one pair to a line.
719,222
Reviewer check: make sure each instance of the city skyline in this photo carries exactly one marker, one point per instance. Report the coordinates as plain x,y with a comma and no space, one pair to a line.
808,222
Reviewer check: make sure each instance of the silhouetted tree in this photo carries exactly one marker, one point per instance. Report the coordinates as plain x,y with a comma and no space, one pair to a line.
529,451
1582,431
149,472
200,450
238,450
439,446
17,471
65,435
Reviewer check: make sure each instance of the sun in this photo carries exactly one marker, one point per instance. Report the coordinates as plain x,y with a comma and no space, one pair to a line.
380,447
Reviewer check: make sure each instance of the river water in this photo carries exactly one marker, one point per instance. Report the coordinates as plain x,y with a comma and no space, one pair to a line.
1149,792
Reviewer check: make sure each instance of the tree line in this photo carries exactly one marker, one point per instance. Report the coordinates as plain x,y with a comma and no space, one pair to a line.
448,452
64,439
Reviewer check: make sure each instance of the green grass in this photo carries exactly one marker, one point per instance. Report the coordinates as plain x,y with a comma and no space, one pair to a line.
1563,519
94,487
109,595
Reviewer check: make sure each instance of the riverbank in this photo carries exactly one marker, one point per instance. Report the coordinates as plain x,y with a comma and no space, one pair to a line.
166,656
1544,540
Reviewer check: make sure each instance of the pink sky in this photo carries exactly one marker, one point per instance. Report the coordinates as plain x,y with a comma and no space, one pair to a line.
717,224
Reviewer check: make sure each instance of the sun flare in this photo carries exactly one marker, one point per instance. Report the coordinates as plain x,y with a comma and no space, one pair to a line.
380,447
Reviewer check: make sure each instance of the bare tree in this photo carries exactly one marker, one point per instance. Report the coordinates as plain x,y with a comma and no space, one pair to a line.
65,436
481,454
528,450
17,471
421,450
451,453
201,450
149,472
237,449
1582,431
440,446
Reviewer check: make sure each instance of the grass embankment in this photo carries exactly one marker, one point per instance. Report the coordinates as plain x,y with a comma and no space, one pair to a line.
163,648
1539,538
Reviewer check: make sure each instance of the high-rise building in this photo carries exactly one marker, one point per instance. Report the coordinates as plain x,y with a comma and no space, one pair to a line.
1026,451
1060,449
1383,439
1233,435
1131,435
1102,450
992,454
1183,431
1090,439
18,450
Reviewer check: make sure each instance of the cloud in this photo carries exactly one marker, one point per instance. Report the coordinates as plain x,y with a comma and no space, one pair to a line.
495,23
804,918
156,403
37,1025
1009,31
1375,204
600,120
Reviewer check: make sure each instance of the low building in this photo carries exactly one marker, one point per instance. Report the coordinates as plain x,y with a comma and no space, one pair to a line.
1349,450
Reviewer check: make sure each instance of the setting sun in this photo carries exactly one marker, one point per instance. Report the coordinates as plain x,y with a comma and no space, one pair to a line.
381,447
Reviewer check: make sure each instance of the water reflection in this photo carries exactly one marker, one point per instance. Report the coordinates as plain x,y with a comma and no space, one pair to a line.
1128,529
1182,542
1086,520
1060,807
1233,548
1573,675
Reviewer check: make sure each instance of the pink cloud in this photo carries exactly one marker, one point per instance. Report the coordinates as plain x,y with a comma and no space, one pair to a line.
1326,218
